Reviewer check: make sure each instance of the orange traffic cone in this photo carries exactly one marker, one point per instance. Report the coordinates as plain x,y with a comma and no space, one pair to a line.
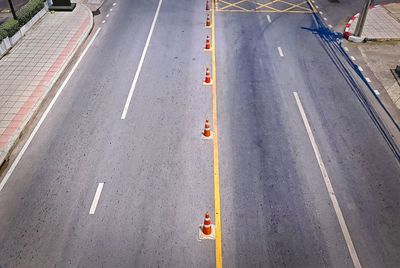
208,21
207,134
207,230
207,225
208,45
207,6
207,79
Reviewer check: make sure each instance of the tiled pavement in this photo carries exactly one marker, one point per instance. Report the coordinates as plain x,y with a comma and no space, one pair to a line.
29,71
382,23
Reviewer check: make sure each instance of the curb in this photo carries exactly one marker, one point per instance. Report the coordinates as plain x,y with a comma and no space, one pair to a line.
4,157
346,33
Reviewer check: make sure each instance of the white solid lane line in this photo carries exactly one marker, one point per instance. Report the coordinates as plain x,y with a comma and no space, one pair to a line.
135,79
269,18
35,130
96,198
329,187
280,51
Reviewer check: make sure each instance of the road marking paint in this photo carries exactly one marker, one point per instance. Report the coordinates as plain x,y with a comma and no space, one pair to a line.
114,4
316,6
35,130
328,185
217,198
361,69
110,9
139,68
368,80
346,49
280,51
321,12
325,19
269,18
96,198
103,21
330,26
352,58
377,92
108,15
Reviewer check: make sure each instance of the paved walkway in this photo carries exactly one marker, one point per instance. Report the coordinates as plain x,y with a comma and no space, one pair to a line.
382,23
33,66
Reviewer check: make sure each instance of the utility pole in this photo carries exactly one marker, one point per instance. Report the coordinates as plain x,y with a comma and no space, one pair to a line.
362,18
12,9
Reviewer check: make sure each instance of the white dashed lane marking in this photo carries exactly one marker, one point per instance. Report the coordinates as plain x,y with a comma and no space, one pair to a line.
280,51
328,185
135,79
96,198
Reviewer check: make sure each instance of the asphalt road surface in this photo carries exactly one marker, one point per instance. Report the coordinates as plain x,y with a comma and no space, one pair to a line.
17,4
157,171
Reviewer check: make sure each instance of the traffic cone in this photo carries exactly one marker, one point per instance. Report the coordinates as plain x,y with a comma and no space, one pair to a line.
208,45
208,21
207,80
207,134
207,230
207,225
207,6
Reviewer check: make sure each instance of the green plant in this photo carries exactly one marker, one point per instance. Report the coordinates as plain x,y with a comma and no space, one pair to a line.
25,13
9,28
3,33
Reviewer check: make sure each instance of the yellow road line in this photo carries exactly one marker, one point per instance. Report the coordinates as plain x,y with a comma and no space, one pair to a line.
312,6
268,11
217,199
233,5
266,7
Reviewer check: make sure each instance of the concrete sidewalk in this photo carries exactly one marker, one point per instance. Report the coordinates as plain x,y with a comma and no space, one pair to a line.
33,66
382,23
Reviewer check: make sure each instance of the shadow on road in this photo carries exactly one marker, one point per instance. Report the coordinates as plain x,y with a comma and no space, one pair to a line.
331,42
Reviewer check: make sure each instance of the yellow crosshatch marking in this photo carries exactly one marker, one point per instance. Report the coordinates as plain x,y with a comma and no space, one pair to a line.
284,6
